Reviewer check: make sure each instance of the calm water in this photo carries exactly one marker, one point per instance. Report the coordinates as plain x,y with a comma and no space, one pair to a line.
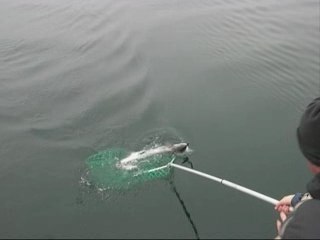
230,77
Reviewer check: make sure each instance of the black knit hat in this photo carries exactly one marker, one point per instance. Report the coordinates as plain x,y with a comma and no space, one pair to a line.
308,132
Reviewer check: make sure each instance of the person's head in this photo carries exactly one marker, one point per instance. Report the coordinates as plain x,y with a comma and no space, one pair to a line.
308,134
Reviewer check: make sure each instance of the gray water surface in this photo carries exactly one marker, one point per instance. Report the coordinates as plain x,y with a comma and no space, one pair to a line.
232,78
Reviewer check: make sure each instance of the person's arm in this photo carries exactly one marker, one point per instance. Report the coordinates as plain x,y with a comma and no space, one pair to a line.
285,204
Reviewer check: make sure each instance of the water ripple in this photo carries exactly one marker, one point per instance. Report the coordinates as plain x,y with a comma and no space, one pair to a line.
119,92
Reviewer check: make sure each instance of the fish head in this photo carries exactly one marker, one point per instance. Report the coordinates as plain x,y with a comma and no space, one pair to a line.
180,148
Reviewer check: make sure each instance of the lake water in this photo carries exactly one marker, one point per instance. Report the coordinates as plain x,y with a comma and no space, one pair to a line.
232,78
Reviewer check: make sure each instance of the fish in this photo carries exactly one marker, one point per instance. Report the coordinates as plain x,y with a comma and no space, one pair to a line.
130,162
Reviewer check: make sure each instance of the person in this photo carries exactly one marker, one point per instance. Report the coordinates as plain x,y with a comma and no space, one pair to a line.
300,212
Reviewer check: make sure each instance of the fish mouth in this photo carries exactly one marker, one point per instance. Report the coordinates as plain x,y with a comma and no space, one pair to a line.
184,148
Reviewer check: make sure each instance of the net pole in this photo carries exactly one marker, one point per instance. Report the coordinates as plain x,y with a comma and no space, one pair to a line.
228,183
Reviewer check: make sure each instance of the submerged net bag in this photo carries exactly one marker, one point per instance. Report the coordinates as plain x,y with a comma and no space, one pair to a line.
104,173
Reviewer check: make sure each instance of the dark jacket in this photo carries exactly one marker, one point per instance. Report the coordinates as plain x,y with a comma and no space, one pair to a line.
304,221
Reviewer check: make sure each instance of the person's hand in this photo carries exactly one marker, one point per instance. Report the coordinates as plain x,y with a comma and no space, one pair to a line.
284,205
283,217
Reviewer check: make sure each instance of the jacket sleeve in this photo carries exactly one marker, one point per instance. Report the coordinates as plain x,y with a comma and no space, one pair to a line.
303,222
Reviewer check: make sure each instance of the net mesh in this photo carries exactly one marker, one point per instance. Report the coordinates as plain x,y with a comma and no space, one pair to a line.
104,173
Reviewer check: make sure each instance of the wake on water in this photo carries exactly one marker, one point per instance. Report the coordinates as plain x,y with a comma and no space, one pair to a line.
118,169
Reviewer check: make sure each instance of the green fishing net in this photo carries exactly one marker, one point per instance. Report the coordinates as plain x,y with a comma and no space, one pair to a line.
104,173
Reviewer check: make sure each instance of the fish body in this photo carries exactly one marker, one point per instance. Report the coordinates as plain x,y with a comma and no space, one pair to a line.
130,162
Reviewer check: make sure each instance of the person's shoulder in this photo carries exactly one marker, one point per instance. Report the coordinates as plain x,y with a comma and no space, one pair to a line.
303,223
